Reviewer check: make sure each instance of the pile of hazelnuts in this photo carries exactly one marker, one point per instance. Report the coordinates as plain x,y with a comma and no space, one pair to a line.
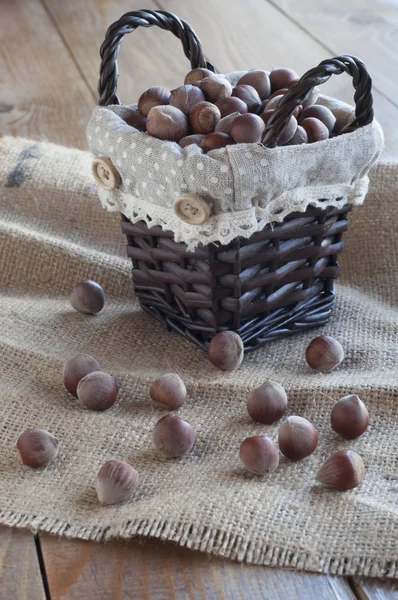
174,437
212,113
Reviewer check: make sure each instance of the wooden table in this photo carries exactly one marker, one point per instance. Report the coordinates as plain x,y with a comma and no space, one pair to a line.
49,64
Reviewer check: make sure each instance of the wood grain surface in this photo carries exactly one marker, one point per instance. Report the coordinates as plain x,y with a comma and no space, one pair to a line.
162,571
49,60
42,94
20,577
373,589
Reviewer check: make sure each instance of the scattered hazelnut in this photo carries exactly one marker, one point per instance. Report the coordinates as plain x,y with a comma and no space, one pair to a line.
215,87
155,96
197,75
320,112
37,447
88,297
225,124
282,78
267,403
267,114
167,123
185,97
344,470
168,391
137,120
324,353
116,481
77,367
349,417
316,130
204,117
188,140
226,350
249,95
259,80
215,140
247,129
173,436
97,390
259,455
298,438
231,105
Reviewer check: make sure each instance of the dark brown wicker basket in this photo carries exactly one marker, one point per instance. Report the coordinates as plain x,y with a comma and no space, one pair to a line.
277,282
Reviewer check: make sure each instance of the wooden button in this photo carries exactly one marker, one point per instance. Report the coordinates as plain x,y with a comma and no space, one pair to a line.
192,209
105,173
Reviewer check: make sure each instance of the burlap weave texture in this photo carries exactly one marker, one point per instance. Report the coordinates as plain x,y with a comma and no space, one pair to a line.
53,233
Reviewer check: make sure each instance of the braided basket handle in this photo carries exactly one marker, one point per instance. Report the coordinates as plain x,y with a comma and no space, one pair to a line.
129,22
298,93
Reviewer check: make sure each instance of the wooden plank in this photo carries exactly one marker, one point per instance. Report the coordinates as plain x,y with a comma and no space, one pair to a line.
20,577
43,95
374,589
255,34
369,27
162,571
147,57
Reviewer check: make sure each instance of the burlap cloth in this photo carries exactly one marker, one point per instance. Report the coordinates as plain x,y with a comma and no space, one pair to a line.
54,233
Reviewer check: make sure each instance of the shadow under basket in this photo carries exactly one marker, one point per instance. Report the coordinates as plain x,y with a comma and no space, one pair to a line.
277,282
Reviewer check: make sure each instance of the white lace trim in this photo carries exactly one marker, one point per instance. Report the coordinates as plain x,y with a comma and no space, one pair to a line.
225,227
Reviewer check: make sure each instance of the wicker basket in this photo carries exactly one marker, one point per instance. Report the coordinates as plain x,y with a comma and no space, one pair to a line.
277,282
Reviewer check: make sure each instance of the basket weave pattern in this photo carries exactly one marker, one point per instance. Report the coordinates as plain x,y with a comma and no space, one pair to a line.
279,281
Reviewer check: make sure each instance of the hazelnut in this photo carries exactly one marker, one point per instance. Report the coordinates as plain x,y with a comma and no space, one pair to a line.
97,391
155,96
168,391
213,141
247,129
225,124
320,112
274,101
324,353
173,436
316,130
231,105
282,78
259,455
76,368
197,75
249,95
288,132
88,297
226,350
137,120
312,97
204,117
215,87
37,448
267,403
167,123
188,140
185,97
300,137
259,80
344,470
281,92
297,438
116,481
349,417
267,114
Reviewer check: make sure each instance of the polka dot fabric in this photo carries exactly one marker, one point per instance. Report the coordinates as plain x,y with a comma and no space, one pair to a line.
246,185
